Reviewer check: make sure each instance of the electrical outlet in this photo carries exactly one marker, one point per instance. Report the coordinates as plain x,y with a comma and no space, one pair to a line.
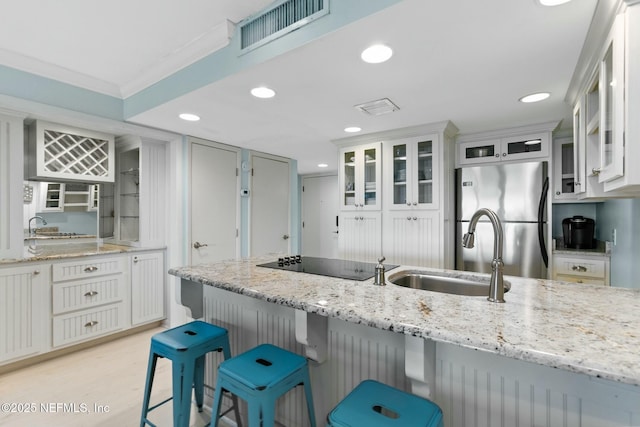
613,236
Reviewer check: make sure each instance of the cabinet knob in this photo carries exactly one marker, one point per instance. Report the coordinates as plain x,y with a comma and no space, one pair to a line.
408,218
497,155
595,171
504,154
36,272
415,218
91,294
415,203
91,269
91,323
198,245
557,193
135,259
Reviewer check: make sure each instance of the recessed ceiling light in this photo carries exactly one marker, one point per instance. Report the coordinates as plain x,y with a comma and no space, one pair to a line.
376,54
323,165
352,129
535,97
263,92
189,117
553,2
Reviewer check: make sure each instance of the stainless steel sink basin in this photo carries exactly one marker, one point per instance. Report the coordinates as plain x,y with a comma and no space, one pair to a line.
464,285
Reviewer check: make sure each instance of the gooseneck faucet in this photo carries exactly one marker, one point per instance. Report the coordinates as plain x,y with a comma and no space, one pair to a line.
496,285
44,222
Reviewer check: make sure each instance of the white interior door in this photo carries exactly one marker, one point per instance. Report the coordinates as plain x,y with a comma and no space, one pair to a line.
320,216
214,203
269,205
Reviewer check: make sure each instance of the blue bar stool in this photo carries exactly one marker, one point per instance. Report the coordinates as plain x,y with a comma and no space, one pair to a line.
186,347
260,376
374,404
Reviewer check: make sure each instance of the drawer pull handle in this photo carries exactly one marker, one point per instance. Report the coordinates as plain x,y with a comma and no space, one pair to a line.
91,269
581,268
90,324
91,294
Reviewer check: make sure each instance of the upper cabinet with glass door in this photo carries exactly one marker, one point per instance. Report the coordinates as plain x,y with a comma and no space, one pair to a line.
410,168
360,177
606,132
517,148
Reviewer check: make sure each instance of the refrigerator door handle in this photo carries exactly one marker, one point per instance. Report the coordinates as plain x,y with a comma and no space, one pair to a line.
541,208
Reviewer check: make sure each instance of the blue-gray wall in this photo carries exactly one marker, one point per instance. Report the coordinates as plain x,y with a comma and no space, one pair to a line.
623,215
71,222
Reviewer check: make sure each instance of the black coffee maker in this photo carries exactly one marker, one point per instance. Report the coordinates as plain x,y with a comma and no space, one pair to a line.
578,232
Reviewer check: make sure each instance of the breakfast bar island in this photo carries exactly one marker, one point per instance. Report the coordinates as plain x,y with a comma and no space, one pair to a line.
554,354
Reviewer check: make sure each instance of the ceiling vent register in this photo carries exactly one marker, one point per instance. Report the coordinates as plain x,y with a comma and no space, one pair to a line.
280,20
378,107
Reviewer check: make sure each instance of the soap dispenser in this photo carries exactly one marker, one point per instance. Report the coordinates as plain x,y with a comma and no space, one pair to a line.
379,277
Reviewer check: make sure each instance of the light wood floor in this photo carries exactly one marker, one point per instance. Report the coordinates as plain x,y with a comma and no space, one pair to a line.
103,385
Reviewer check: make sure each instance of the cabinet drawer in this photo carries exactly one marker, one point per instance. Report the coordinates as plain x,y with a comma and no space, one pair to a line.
579,279
90,267
83,325
581,267
82,294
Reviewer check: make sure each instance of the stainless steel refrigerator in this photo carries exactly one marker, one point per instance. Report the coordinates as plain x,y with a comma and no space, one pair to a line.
517,193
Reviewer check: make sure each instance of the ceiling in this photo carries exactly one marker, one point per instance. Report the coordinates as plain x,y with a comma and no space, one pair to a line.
467,61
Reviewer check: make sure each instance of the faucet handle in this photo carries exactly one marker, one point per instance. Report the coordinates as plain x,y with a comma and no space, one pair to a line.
381,260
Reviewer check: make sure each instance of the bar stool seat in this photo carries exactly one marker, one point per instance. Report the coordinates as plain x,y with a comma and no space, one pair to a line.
260,376
186,346
374,404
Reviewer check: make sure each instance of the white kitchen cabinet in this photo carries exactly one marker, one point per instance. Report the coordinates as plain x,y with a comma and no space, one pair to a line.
359,177
140,192
414,238
582,268
492,148
59,152
563,169
51,197
24,311
67,197
360,236
411,176
147,287
89,298
605,131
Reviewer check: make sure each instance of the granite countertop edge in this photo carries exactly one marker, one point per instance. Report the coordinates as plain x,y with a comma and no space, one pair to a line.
51,252
514,343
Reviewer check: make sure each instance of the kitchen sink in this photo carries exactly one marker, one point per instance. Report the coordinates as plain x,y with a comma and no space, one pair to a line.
427,281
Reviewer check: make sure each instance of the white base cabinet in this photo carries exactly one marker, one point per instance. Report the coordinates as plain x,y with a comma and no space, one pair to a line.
147,288
88,298
582,268
44,307
23,311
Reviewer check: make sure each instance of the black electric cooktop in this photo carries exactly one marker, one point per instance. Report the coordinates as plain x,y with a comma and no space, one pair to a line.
343,269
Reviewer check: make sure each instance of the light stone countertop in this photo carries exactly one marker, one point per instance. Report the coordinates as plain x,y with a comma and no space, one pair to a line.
594,330
54,251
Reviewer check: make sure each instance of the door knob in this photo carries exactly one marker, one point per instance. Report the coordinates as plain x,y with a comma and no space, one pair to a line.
285,237
198,245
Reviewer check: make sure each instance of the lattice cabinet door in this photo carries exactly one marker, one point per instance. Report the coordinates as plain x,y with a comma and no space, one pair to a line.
63,152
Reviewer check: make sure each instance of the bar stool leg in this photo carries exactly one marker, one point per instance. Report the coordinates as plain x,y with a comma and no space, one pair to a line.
198,382
309,398
254,415
182,393
151,369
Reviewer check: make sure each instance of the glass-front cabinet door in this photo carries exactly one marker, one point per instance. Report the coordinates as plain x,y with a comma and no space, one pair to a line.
612,106
360,177
410,176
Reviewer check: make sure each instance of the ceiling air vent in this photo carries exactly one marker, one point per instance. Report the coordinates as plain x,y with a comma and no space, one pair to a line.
378,107
280,20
